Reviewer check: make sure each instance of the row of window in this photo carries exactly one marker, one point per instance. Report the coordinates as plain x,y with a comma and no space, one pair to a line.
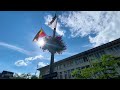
67,74
92,56
81,60
114,49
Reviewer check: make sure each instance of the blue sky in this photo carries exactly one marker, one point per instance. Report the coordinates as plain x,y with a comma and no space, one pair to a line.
81,30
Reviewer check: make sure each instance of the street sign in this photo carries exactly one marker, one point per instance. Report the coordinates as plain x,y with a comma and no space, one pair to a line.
49,76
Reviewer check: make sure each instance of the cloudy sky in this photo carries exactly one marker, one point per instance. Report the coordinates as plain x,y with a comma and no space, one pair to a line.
81,30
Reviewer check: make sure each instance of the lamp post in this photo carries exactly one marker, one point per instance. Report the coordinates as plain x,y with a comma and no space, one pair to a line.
52,56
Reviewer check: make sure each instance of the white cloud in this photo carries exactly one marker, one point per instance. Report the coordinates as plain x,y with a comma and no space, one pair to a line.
58,28
70,53
88,45
105,25
26,61
21,63
110,33
21,50
19,73
42,64
34,58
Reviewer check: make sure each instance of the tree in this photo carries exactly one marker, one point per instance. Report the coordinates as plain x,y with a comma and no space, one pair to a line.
105,69
22,76
40,77
34,77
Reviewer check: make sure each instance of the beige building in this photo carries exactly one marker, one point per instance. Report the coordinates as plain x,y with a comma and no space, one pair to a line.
66,66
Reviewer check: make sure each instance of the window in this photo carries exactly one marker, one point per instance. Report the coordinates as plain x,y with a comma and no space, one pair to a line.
91,57
83,67
65,73
71,63
61,75
78,68
47,71
58,76
69,74
55,67
85,59
72,71
77,61
67,65
102,53
64,65
81,60
97,55
111,49
60,67
87,66
117,48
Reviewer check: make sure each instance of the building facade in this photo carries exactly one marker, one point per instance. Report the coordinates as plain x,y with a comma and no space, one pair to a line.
6,75
82,60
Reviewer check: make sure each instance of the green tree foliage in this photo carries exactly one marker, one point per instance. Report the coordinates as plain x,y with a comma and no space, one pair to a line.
40,77
107,68
22,76
34,77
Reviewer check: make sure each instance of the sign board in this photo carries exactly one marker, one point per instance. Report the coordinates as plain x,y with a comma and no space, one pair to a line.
49,76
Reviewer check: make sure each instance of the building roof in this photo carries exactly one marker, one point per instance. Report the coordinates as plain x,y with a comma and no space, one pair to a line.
87,52
5,72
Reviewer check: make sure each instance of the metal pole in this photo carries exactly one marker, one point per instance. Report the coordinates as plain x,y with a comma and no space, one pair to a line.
52,56
51,63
